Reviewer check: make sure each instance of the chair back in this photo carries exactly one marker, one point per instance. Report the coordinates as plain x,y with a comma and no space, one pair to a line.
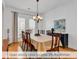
23,36
30,47
28,36
55,40
28,41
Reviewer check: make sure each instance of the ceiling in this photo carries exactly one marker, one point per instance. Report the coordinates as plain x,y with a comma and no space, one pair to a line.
44,5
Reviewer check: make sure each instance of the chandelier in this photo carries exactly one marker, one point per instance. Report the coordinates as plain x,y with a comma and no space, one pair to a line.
37,17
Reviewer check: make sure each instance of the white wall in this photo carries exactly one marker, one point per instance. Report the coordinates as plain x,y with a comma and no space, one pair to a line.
7,21
68,12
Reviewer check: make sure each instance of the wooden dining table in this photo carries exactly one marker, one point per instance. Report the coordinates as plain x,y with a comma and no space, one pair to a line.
40,42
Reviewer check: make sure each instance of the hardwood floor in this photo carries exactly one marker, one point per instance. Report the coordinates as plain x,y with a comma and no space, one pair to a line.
14,48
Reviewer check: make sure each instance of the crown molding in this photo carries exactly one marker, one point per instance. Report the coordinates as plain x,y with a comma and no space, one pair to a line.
18,10
14,9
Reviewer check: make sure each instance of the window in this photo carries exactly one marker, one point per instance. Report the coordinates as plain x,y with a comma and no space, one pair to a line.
32,25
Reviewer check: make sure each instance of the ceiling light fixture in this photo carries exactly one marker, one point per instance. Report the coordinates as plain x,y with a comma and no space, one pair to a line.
37,18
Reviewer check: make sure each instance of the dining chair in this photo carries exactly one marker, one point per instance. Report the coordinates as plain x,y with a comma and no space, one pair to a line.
55,46
55,42
28,44
23,40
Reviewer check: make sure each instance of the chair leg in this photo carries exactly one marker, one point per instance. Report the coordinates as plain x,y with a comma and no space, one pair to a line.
26,47
23,46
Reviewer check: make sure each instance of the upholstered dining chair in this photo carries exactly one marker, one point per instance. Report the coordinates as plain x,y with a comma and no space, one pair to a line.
55,42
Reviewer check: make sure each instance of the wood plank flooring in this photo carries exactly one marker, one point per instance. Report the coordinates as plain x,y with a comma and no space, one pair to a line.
14,47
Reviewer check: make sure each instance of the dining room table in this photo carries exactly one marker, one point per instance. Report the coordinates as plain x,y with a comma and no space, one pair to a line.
41,42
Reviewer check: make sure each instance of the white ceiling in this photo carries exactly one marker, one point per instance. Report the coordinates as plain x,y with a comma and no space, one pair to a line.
44,5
